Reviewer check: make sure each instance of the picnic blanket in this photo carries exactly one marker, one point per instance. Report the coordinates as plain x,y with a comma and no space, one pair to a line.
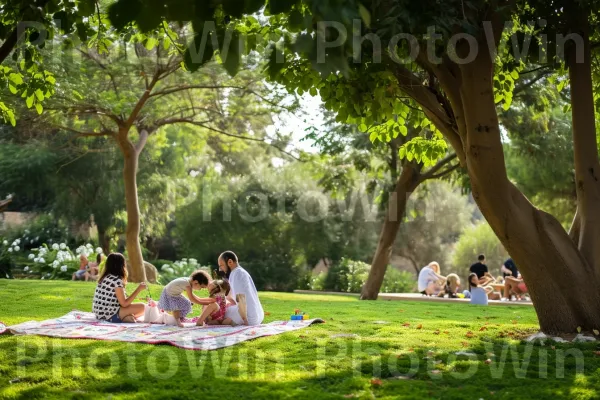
84,325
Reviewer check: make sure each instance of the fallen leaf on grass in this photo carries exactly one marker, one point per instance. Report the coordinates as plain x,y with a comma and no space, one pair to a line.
420,326
401,310
376,382
514,321
406,324
470,334
267,313
597,353
553,347
436,332
483,328
465,344
436,372
488,361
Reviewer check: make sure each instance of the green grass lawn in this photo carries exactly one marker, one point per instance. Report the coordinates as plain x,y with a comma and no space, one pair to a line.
387,350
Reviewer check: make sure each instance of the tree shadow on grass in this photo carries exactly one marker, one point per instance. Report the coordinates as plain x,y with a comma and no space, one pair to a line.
320,369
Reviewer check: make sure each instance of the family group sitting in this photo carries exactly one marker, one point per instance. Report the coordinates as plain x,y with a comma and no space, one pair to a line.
482,285
232,301
88,271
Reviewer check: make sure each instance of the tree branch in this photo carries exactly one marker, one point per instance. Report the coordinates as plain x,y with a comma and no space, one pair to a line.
9,44
445,172
430,174
203,125
142,141
87,134
171,90
140,104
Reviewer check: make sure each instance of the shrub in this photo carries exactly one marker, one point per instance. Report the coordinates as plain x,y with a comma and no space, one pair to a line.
317,282
346,276
179,269
58,261
396,281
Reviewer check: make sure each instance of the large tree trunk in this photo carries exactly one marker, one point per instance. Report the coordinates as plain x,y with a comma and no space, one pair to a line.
103,239
561,284
587,167
132,233
407,183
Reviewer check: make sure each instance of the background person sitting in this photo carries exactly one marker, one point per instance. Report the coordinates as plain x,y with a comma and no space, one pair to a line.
481,270
452,285
477,294
430,281
82,274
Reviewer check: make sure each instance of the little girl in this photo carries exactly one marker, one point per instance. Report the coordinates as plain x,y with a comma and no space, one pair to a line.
111,302
214,312
478,295
171,298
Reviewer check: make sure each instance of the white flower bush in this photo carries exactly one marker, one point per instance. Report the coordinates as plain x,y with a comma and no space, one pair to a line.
180,269
58,261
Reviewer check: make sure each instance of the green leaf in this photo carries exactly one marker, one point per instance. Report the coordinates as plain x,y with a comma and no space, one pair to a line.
123,12
280,6
29,101
404,130
296,21
402,152
313,91
39,108
77,94
16,78
86,8
561,85
195,56
234,8
365,15
12,89
514,75
362,127
373,136
39,94
232,60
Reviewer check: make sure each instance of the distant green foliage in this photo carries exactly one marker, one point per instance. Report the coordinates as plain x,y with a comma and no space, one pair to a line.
475,240
396,281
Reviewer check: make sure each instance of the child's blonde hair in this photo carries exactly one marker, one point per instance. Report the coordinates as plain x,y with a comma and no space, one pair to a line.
453,281
220,286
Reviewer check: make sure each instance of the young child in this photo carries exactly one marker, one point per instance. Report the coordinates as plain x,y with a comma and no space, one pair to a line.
214,312
452,285
111,302
478,295
172,299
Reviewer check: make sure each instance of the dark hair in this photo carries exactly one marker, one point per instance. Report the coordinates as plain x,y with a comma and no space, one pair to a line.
221,285
481,257
115,265
229,255
99,258
472,275
200,276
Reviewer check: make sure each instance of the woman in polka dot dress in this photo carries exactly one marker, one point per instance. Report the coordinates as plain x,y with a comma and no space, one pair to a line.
111,302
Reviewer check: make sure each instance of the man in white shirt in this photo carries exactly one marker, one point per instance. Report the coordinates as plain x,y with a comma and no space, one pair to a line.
242,290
